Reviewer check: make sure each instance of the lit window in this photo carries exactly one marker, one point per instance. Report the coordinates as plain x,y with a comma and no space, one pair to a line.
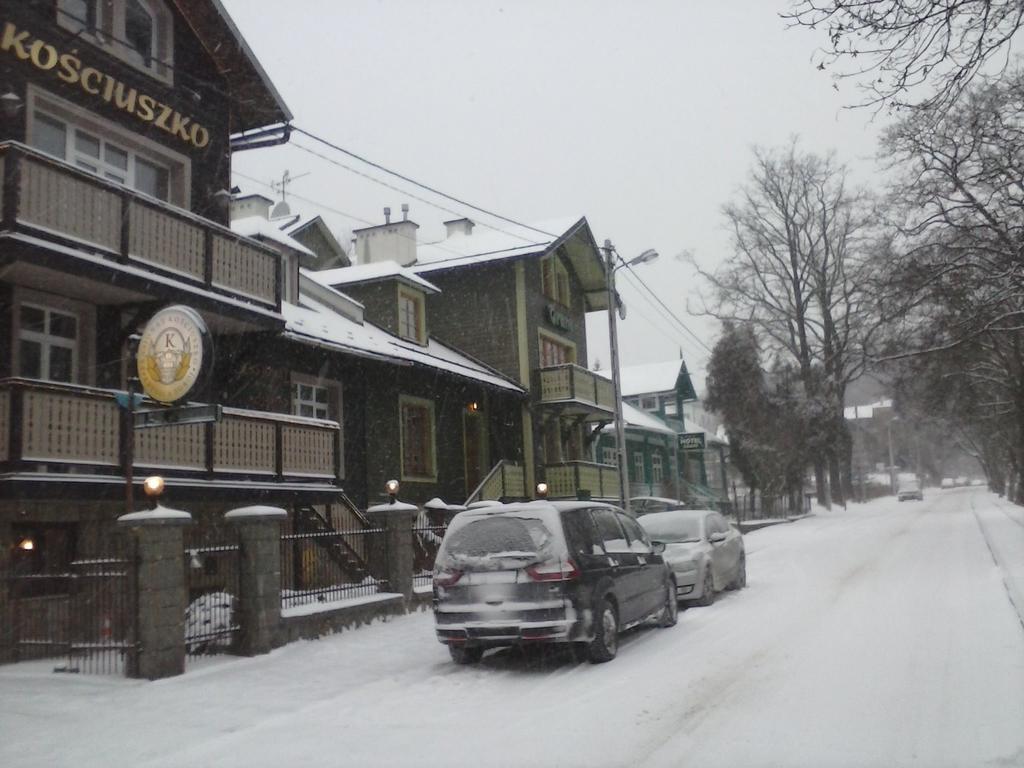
417,424
99,155
657,473
638,467
553,352
410,317
47,343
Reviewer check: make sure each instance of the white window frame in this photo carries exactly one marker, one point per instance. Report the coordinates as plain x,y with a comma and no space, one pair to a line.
109,33
411,311
657,468
610,456
47,341
671,409
561,341
300,400
638,467
76,119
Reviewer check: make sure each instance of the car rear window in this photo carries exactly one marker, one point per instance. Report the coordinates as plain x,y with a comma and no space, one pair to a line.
497,542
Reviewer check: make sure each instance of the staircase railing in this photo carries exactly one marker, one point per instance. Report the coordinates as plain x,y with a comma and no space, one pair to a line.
340,551
505,480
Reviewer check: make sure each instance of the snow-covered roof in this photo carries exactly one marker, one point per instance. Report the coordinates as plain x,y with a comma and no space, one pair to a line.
642,420
368,273
866,411
486,244
316,323
257,226
650,377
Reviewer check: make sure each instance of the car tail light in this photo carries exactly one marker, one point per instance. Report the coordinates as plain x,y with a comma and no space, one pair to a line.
447,578
554,570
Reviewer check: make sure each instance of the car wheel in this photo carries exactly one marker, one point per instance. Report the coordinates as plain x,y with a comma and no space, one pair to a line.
462,654
707,596
741,574
670,613
605,644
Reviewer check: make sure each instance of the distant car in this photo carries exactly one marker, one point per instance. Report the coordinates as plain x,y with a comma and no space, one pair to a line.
705,552
550,572
947,482
910,490
645,505
960,481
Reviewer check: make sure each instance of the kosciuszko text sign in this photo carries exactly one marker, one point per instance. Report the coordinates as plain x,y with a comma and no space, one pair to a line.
172,351
691,441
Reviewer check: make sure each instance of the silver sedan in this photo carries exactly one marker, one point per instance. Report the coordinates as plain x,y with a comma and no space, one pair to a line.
705,552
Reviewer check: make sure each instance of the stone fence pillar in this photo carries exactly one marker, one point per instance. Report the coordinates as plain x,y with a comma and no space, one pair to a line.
159,598
259,577
397,518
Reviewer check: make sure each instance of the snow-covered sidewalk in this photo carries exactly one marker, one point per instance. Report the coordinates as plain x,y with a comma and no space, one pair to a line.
882,635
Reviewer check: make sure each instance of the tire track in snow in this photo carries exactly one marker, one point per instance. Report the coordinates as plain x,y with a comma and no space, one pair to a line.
1016,601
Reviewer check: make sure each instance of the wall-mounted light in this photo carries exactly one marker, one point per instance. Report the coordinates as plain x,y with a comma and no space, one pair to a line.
11,103
473,407
542,490
27,544
391,486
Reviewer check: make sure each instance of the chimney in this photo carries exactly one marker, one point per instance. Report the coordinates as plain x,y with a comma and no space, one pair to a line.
458,226
390,241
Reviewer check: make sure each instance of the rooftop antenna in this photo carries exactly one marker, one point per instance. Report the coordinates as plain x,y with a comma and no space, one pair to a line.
282,209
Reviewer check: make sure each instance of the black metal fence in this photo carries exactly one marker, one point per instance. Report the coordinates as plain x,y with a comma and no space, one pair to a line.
77,613
328,566
426,538
760,507
211,577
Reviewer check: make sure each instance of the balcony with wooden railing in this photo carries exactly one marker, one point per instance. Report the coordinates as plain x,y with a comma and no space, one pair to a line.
582,479
52,202
575,390
51,428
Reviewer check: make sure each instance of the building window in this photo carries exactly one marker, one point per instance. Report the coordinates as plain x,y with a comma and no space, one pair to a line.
555,352
417,427
649,403
311,400
657,472
99,155
609,456
411,316
139,32
47,343
670,408
638,467
555,280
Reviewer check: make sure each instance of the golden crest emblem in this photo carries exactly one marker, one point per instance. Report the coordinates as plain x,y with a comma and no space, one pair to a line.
171,353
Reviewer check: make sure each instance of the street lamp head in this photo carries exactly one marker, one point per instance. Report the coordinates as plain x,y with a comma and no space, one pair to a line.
649,255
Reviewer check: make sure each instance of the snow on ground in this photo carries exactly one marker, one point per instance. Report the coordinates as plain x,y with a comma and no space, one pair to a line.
883,635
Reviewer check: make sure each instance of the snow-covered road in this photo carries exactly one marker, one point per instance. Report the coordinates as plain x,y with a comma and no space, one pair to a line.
884,635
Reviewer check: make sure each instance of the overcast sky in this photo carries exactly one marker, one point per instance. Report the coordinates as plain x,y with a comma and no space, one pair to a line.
639,115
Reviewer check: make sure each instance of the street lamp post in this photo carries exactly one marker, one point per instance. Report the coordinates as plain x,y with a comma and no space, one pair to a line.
614,306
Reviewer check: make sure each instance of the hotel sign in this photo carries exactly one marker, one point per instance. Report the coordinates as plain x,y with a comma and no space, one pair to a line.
68,68
691,441
558,318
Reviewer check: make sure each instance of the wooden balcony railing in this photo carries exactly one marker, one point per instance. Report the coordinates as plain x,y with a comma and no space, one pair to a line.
571,385
56,201
62,425
506,480
571,478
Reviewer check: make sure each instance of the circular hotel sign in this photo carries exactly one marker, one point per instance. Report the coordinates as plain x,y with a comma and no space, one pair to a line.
171,353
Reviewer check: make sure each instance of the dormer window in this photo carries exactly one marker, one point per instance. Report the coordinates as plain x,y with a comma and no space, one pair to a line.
139,32
411,316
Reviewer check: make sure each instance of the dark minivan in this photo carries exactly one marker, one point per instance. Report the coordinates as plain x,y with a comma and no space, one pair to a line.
575,572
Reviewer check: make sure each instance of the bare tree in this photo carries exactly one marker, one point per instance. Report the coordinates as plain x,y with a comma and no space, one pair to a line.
798,276
919,53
